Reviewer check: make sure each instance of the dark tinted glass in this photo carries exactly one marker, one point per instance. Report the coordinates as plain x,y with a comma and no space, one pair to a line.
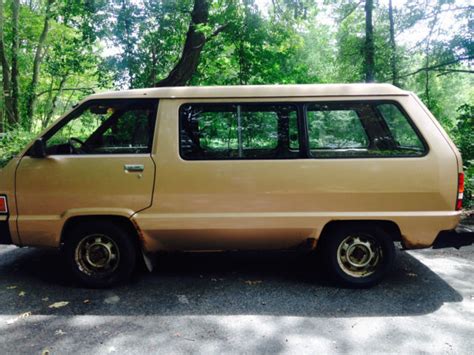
355,129
402,132
238,131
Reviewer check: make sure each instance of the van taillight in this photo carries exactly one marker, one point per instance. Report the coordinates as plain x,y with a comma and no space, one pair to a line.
460,191
3,205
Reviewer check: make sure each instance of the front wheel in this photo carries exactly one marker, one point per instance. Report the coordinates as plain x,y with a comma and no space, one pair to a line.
358,256
100,254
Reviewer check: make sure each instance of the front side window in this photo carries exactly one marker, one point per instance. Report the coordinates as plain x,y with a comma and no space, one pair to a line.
238,131
360,129
106,127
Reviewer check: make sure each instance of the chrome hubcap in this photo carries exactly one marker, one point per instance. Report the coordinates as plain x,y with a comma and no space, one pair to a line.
359,256
97,254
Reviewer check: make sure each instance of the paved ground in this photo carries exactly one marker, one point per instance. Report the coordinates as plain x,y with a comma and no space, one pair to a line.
238,303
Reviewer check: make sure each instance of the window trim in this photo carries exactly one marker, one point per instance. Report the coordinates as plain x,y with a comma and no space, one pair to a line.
70,116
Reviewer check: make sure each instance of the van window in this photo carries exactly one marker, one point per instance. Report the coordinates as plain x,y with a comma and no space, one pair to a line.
238,131
401,130
360,129
106,127
335,128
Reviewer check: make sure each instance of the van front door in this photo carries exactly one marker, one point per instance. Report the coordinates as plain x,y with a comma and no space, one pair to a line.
98,162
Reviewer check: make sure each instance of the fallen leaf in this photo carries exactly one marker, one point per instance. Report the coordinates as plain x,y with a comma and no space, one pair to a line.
21,316
25,315
183,299
11,287
13,320
112,299
58,304
22,294
252,283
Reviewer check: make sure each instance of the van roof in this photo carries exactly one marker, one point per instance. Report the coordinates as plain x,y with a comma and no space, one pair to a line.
250,91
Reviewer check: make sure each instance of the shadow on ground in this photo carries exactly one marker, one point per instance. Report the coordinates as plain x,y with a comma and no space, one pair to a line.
247,283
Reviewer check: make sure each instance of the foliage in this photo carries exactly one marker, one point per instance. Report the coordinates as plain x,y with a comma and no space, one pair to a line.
68,64
12,143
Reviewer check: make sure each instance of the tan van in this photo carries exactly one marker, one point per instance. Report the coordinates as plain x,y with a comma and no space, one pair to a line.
345,169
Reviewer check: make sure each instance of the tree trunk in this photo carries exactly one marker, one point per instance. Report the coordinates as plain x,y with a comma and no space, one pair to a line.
31,95
427,59
5,76
393,46
193,45
14,74
128,40
54,102
154,60
369,42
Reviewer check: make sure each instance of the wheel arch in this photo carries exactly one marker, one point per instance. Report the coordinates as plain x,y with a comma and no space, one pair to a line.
123,221
390,227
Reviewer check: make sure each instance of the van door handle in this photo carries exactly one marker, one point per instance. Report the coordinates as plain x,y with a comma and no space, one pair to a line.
133,168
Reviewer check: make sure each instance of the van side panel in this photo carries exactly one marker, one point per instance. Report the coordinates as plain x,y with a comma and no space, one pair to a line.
442,131
51,190
273,204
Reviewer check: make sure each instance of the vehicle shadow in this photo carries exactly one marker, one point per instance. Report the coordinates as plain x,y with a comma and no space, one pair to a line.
230,283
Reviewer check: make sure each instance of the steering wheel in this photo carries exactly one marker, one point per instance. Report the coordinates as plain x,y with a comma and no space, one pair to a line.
73,148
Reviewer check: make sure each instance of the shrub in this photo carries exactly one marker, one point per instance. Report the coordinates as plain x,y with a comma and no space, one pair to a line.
12,142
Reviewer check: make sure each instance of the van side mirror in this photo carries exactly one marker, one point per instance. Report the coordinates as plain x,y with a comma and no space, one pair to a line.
38,149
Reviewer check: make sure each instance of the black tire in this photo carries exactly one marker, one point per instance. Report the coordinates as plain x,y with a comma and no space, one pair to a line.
88,244
369,244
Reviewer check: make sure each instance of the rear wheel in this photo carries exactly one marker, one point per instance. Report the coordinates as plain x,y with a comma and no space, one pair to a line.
100,254
358,256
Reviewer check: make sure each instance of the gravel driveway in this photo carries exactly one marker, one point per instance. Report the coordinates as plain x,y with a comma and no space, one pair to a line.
238,303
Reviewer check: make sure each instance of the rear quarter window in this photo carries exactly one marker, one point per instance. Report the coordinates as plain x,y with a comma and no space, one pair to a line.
403,133
361,129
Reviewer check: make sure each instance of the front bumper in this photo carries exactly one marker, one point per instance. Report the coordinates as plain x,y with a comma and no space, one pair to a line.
5,236
454,239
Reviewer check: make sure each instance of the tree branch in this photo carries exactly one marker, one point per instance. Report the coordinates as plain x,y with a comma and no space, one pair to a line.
218,30
434,67
449,71
351,11
65,89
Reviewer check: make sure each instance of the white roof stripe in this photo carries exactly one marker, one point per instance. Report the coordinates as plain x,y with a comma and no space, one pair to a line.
249,91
